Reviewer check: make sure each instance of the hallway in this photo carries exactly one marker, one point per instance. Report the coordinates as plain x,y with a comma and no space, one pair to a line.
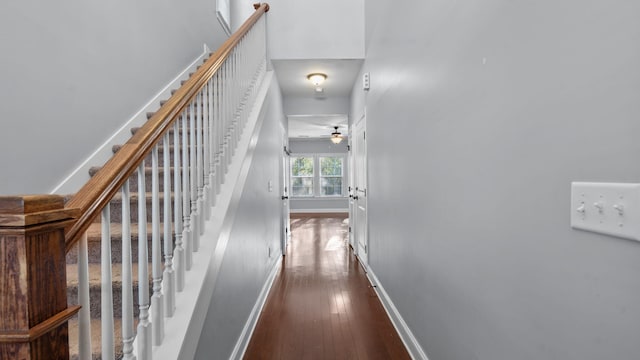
321,305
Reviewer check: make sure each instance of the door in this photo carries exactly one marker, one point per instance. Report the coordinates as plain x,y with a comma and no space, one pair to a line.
352,186
360,228
286,231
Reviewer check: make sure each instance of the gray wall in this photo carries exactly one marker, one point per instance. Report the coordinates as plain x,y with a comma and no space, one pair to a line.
257,227
74,71
321,146
499,105
296,105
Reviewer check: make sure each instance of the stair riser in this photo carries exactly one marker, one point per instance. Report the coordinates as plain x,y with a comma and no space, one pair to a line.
94,250
161,151
133,181
96,301
116,210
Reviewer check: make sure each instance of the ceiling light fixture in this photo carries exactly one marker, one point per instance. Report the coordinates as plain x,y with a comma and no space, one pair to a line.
317,78
336,136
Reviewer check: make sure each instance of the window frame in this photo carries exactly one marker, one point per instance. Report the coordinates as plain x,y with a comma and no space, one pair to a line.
316,179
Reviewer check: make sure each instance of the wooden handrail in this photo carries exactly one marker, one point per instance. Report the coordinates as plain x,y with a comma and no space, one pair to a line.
104,185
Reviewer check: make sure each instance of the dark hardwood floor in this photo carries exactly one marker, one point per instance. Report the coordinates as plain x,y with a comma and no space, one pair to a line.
321,305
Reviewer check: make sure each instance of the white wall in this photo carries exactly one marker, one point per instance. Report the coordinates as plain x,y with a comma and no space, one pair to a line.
73,71
307,29
299,105
246,262
498,106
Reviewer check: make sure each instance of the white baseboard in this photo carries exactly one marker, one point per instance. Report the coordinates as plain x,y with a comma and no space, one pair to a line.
250,326
410,342
78,177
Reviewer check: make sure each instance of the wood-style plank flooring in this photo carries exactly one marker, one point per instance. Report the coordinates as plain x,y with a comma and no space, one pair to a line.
321,305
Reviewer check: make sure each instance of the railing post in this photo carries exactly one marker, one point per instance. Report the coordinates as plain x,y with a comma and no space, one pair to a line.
33,281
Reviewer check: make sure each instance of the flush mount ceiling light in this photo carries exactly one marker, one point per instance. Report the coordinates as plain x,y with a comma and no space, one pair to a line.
336,136
317,78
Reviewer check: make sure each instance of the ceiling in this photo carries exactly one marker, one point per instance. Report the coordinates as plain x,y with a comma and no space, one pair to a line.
292,77
341,75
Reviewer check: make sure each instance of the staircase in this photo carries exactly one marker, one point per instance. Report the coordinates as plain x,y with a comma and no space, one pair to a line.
193,138
94,238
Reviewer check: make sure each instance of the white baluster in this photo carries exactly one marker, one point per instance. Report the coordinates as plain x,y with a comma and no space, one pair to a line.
84,316
127,279
169,275
177,190
157,298
193,167
106,289
144,326
213,109
206,144
199,169
187,237
221,127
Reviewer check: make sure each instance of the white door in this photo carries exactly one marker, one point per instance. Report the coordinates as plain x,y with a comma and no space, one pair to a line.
359,154
286,231
352,186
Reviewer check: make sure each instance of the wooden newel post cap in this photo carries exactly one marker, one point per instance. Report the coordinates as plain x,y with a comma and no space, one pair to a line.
29,210
33,282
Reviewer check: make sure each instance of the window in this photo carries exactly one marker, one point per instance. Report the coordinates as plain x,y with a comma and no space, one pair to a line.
331,176
302,176
317,175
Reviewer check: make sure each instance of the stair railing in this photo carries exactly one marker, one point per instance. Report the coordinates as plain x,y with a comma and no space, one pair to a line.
197,131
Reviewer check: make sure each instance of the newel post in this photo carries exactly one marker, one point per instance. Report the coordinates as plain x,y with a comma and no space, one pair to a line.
33,281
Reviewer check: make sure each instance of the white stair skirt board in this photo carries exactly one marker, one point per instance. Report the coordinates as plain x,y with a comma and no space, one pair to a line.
104,152
250,326
410,342
182,331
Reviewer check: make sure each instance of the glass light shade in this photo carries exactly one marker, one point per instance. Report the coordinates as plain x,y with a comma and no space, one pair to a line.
336,138
317,78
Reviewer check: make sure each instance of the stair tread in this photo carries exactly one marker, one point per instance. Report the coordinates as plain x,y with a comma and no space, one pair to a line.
96,330
94,232
136,195
95,273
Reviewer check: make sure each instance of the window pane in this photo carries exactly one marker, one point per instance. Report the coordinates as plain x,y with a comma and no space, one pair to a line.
331,166
302,166
302,186
331,186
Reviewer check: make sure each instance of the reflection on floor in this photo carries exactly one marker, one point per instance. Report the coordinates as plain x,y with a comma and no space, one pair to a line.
321,305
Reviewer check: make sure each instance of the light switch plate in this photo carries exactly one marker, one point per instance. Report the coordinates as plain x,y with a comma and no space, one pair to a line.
366,81
606,208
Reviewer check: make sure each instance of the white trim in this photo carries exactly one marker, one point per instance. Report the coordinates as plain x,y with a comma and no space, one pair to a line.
250,326
104,152
223,22
410,342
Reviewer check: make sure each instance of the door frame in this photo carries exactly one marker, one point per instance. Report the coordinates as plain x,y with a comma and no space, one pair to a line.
285,235
360,191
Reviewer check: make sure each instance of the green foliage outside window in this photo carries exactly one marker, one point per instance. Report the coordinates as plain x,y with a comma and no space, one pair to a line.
302,176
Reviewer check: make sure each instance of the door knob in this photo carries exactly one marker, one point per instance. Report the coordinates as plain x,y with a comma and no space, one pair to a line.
284,197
